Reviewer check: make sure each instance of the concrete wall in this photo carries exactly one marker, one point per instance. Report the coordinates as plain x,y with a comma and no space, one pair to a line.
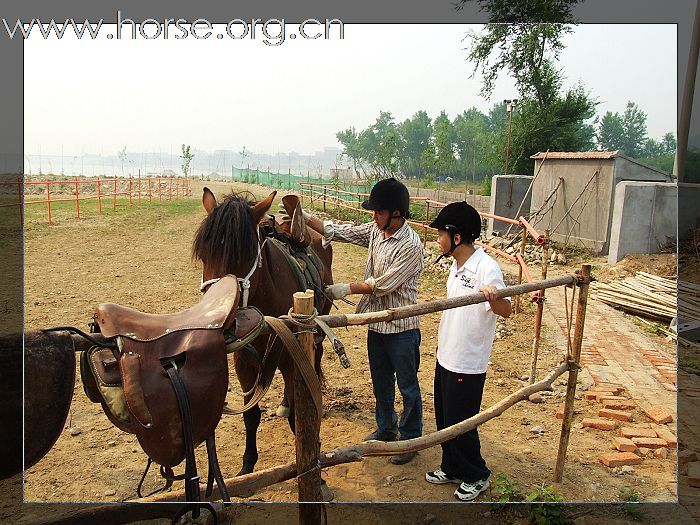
507,192
688,204
644,218
589,220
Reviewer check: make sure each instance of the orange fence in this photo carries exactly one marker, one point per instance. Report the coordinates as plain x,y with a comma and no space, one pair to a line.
107,189
330,194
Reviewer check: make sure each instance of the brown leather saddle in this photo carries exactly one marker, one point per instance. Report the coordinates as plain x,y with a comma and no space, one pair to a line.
167,378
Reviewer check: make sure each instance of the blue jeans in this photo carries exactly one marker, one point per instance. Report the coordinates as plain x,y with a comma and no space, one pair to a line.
394,358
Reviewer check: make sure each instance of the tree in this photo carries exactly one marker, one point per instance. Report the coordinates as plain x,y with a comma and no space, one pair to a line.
122,158
627,132
444,144
511,11
351,147
414,138
545,117
186,159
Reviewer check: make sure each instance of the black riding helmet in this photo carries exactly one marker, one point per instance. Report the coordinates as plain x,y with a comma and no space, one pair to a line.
459,217
389,194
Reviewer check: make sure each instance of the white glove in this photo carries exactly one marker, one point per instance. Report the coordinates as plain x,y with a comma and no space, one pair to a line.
338,290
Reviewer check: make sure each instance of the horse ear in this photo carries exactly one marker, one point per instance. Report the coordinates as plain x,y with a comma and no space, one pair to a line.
208,200
260,209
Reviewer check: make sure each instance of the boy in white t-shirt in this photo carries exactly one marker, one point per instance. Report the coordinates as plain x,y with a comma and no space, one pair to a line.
465,340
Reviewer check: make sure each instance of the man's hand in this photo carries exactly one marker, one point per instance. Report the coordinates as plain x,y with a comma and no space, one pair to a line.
489,292
338,290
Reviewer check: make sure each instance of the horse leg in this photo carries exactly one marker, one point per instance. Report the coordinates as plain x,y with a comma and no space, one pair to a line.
251,418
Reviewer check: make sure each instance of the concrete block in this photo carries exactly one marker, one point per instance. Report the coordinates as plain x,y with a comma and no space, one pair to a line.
643,218
507,192
649,442
620,415
600,424
659,414
623,444
617,459
632,432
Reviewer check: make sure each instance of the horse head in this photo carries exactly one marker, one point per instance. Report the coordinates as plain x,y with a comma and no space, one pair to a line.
228,240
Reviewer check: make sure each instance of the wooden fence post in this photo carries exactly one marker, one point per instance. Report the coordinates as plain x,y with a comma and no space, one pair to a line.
130,190
585,276
48,199
77,199
523,242
114,195
307,425
540,309
99,195
139,187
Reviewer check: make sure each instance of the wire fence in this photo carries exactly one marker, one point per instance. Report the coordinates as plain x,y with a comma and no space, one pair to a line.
76,192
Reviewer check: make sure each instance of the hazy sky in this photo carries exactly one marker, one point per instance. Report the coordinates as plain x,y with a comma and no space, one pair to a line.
96,96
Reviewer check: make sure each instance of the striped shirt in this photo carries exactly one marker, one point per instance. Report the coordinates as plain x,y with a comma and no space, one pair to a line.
393,268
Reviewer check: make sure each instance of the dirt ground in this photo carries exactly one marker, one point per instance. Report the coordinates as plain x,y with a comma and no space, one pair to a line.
141,258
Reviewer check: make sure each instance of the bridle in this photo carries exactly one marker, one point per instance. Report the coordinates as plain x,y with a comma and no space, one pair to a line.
244,282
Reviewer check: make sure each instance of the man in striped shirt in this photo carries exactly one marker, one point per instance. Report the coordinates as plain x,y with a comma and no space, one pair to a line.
394,265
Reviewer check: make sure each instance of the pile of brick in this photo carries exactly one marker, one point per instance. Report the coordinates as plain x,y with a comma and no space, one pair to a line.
632,442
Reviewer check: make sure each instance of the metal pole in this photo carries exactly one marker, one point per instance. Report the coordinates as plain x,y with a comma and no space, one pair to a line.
510,103
585,278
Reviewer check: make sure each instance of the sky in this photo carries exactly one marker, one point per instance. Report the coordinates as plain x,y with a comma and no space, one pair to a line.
97,96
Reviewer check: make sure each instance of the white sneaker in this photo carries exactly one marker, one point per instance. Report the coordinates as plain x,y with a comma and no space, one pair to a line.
469,491
438,477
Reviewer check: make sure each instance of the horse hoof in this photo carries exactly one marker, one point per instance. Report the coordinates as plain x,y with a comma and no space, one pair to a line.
326,493
282,411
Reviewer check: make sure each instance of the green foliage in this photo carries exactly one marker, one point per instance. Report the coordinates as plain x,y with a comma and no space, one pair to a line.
630,495
523,11
486,186
186,159
546,508
627,132
507,489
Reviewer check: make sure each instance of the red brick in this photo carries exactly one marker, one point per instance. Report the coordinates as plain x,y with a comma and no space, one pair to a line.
694,474
599,390
649,442
590,395
659,415
620,415
560,412
618,405
664,433
605,396
600,424
632,432
617,459
623,444
661,453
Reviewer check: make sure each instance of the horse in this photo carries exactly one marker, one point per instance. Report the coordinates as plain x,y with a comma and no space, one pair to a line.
231,240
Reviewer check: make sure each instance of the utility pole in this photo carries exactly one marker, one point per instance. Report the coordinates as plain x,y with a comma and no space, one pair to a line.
510,103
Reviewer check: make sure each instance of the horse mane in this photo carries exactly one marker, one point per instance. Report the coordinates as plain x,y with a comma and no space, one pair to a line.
227,237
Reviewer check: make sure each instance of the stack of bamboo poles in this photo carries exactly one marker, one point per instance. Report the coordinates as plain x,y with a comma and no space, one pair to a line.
648,295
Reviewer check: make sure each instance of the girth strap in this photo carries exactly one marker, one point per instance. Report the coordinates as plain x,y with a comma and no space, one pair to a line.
302,362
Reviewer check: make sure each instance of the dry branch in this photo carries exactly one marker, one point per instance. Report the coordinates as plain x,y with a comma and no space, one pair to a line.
244,486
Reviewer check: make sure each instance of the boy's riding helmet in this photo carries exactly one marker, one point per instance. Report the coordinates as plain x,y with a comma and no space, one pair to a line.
388,194
458,217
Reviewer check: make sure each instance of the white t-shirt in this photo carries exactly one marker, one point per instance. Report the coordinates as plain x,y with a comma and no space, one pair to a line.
465,336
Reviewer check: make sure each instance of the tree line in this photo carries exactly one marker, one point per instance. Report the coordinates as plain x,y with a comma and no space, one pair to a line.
473,145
